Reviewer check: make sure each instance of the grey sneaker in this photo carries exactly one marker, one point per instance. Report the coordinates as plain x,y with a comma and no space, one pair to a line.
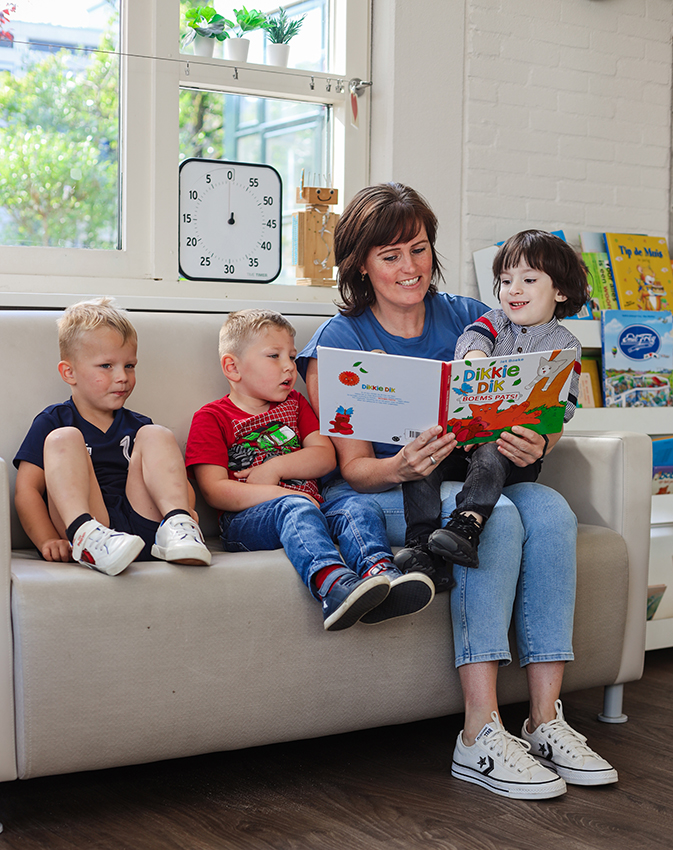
503,764
104,549
179,540
558,746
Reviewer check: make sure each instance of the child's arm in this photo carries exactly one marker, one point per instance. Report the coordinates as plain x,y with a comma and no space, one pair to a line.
475,353
34,515
228,494
315,459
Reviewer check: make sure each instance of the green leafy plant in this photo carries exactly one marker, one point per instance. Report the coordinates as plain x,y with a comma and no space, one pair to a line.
247,21
280,29
206,22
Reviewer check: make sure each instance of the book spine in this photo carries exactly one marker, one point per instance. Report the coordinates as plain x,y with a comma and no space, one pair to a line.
445,378
607,283
594,281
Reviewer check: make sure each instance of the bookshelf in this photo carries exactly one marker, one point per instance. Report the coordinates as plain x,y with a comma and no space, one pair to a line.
645,420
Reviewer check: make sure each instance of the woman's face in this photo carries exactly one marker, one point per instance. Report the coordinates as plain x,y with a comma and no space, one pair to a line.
400,274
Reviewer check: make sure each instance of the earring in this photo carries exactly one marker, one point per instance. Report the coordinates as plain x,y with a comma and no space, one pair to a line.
362,276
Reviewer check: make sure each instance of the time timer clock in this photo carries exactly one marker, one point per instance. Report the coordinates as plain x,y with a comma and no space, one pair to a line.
230,221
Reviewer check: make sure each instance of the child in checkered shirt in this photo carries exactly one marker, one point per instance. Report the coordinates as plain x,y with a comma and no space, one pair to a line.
256,455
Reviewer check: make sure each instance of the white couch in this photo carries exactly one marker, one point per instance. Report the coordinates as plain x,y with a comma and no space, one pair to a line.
166,661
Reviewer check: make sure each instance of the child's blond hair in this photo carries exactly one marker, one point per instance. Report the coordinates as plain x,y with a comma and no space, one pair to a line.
241,327
87,316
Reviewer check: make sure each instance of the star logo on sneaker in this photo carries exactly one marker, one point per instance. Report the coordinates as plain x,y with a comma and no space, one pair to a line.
486,765
546,750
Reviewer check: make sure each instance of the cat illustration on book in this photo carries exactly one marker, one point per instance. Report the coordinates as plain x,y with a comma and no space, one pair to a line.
549,369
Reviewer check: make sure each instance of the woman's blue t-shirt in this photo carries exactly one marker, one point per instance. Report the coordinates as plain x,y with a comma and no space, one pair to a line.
446,316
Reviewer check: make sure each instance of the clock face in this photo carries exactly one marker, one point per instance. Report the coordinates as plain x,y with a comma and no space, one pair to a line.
230,221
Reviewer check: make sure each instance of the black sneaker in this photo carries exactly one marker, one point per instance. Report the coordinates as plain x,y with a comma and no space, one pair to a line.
350,597
409,594
458,540
417,559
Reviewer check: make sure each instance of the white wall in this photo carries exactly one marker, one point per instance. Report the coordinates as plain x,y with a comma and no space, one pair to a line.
510,114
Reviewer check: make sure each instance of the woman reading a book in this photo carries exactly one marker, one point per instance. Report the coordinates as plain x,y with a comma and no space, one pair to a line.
388,270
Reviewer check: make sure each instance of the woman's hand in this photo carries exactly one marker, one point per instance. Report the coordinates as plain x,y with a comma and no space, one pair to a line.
419,458
524,446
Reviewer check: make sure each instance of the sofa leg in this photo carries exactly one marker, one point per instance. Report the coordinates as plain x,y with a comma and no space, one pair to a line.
613,697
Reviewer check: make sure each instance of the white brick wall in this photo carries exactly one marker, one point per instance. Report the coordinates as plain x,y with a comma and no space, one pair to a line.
567,119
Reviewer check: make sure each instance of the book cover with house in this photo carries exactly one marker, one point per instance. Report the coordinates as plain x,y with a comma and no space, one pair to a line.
641,270
637,358
387,398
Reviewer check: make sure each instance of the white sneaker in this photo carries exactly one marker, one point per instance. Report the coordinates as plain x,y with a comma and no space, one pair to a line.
503,764
104,549
179,539
558,746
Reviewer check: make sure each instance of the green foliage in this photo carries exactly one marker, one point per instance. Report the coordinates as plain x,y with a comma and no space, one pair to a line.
206,22
249,21
59,153
280,29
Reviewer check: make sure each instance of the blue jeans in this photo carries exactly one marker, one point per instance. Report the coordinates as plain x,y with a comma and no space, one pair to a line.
527,563
307,533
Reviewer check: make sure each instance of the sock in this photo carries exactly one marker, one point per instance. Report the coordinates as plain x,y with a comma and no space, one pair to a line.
176,512
71,530
322,574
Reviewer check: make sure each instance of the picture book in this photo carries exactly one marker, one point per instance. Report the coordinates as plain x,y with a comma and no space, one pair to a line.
655,594
603,294
590,394
662,465
641,270
637,358
386,398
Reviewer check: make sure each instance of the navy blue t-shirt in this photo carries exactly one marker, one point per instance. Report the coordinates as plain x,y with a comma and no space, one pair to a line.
110,451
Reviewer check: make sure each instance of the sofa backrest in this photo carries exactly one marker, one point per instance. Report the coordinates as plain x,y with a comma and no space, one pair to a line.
178,372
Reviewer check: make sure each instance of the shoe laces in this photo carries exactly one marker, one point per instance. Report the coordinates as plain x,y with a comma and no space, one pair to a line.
185,527
512,751
99,538
560,733
465,525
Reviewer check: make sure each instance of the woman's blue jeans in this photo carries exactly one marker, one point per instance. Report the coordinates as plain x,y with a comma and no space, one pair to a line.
308,533
527,565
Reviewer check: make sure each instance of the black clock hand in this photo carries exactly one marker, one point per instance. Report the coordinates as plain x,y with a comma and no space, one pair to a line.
231,219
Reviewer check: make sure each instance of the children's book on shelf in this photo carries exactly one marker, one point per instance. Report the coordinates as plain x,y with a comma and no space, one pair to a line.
603,295
590,394
386,398
641,270
655,593
637,358
662,465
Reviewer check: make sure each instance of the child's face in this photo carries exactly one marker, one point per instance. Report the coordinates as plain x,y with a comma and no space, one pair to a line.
102,371
267,367
528,296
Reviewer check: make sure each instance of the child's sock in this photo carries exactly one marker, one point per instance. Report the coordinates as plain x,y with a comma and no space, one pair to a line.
71,530
176,512
322,574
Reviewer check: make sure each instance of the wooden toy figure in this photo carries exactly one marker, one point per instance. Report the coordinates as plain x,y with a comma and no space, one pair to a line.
313,235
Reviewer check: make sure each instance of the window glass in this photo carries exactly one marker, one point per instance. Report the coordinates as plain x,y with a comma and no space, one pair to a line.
291,136
59,126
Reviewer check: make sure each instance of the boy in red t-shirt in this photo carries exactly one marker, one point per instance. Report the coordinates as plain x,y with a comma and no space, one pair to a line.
256,455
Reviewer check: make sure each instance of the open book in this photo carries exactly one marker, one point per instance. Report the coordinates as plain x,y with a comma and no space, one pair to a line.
386,398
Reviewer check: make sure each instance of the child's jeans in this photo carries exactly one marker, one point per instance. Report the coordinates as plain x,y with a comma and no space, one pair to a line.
307,533
485,472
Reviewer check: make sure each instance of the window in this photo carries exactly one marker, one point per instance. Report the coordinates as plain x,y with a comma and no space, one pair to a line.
295,118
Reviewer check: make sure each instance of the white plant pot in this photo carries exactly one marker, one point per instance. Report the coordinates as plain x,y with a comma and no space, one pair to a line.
236,49
277,54
203,46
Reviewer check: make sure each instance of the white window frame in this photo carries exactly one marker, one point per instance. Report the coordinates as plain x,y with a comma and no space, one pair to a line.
146,268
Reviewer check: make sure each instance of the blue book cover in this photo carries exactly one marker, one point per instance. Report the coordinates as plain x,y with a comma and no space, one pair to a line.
637,358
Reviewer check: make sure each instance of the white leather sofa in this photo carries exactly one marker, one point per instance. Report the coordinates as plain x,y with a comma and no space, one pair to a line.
166,661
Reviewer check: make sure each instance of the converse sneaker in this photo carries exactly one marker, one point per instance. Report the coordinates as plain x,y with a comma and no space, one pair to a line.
179,540
458,540
503,764
349,599
419,559
103,549
558,746
409,594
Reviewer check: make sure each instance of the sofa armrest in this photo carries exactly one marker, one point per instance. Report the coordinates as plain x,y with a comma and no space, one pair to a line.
606,479
7,736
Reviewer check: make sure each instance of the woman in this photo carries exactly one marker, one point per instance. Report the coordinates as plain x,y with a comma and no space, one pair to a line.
388,268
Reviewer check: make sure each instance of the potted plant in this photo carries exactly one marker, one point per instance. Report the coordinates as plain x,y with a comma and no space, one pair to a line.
236,48
204,26
279,30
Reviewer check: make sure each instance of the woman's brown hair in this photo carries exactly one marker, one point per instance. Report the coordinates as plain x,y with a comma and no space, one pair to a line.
386,214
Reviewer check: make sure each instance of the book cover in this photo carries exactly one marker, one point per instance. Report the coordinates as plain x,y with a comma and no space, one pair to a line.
603,294
655,594
387,398
662,465
641,269
637,358
590,394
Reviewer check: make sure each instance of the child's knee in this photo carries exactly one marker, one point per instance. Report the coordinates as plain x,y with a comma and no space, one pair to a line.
65,439
155,433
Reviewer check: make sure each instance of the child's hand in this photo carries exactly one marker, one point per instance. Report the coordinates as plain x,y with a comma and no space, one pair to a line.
57,550
262,474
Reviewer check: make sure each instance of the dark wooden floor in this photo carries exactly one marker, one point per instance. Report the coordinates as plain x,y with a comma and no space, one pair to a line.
387,788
